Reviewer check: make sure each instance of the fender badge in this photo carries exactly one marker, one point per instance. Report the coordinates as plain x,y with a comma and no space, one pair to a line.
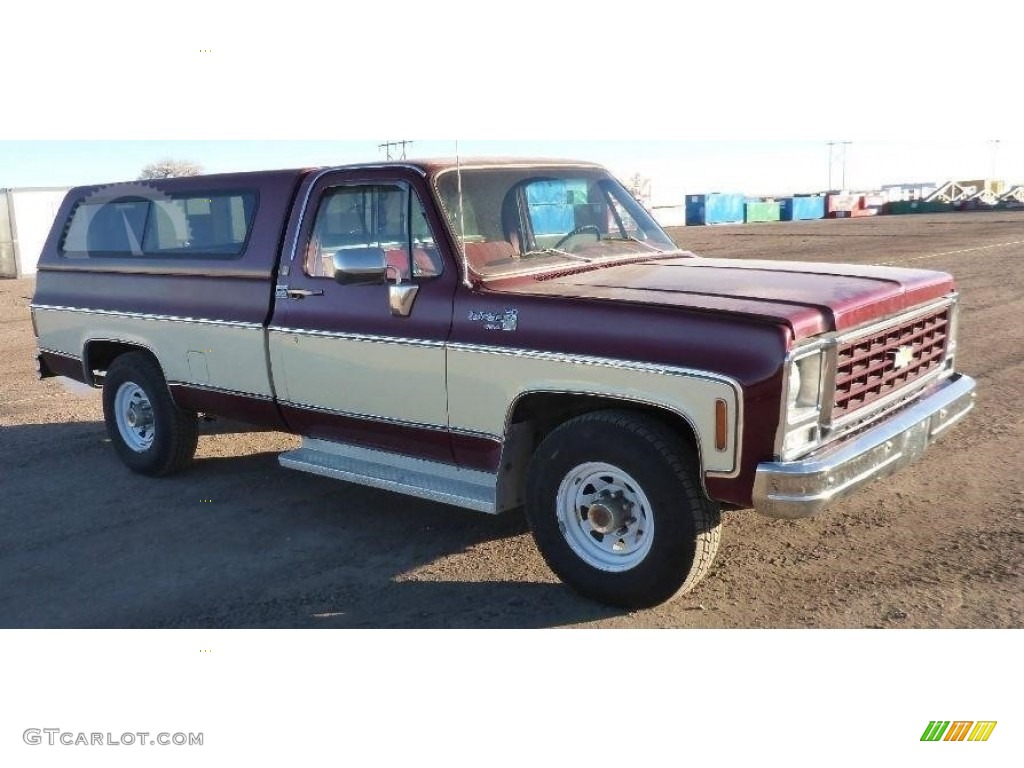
496,321
903,357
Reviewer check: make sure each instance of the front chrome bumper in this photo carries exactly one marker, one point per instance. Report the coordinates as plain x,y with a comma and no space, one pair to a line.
796,489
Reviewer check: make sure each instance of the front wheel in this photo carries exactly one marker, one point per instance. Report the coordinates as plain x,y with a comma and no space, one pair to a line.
617,510
150,433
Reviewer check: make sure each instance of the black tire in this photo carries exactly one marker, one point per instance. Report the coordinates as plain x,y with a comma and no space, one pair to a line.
686,524
175,433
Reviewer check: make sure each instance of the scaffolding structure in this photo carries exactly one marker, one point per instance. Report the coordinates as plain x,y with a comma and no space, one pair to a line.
1014,195
960,192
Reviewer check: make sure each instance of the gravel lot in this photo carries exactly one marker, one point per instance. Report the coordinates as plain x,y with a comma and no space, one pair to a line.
238,541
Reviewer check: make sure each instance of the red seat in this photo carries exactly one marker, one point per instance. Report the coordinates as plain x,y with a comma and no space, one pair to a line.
428,262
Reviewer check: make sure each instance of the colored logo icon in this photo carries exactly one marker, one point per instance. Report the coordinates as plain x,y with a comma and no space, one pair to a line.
958,730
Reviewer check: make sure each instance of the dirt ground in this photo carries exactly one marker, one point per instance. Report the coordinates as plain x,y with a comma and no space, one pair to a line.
238,541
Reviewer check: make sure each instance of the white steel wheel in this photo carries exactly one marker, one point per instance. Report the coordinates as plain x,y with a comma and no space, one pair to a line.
150,433
605,517
615,504
133,413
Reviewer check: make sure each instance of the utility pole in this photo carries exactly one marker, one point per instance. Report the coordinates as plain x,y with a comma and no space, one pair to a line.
837,156
390,146
845,145
995,155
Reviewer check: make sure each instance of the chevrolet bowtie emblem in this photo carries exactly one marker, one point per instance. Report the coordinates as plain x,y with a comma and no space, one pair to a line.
903,357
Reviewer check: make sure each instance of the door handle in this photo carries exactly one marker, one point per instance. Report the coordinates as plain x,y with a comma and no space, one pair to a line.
295,293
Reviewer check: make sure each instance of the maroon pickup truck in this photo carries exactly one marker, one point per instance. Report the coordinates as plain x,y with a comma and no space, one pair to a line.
497,334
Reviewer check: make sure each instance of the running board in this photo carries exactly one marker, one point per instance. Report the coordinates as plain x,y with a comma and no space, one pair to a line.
423,479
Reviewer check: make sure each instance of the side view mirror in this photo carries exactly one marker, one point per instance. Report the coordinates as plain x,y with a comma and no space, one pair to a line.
360,266
369,266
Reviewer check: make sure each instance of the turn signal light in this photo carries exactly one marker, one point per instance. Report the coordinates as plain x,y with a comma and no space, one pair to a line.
721,425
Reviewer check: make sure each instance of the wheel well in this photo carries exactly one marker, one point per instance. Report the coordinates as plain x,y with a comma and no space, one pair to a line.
534,416
99,355
543,412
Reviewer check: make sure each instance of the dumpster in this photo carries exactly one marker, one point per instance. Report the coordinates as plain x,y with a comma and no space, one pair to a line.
759,211
714,208
802,208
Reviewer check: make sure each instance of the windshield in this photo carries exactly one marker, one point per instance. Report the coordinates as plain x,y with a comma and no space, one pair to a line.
518,220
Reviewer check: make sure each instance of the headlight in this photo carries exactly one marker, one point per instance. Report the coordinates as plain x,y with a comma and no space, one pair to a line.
804,396
803,405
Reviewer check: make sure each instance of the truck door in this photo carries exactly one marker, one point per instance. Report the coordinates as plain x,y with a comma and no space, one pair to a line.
347,366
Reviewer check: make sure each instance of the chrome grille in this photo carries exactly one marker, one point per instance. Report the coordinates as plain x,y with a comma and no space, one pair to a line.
866,367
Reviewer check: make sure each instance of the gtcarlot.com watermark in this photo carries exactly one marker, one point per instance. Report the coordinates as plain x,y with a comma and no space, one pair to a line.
55,736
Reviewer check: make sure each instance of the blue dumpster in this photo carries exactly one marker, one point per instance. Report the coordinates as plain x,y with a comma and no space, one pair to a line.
714,208
803,208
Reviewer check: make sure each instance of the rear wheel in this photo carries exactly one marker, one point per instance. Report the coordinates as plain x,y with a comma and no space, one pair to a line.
150,433
618,512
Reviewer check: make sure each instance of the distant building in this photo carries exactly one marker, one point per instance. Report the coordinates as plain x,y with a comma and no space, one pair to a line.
26,216
898,193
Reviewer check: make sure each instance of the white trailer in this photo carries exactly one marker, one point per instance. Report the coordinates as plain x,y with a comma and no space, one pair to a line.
26,215
669,215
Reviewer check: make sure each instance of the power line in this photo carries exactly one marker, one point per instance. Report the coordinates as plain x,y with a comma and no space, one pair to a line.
390,146
837,156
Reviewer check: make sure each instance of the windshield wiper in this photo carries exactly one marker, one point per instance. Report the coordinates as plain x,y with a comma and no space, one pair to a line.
557,252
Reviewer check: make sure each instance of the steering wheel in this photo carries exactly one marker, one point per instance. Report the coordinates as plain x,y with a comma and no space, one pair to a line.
588,229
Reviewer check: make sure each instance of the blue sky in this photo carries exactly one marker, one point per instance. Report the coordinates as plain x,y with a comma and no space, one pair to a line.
676,168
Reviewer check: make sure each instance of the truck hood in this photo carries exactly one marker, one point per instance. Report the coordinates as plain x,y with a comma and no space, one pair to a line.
811,298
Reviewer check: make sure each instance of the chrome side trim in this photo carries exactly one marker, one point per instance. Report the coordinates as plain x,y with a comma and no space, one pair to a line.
499,439
560,357
357,337
605,362
79,265
147,316
58,353
797,489
391,421
626,365
220,390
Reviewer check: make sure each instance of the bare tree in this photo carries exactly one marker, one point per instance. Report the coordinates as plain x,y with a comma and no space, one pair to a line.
169,169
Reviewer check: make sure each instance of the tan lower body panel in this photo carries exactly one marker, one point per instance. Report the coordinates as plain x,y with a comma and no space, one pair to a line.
227,356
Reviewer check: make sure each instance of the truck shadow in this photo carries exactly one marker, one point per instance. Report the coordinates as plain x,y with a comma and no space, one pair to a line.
238,541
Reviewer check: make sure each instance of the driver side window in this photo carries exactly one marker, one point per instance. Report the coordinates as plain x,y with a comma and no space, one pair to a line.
388,217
